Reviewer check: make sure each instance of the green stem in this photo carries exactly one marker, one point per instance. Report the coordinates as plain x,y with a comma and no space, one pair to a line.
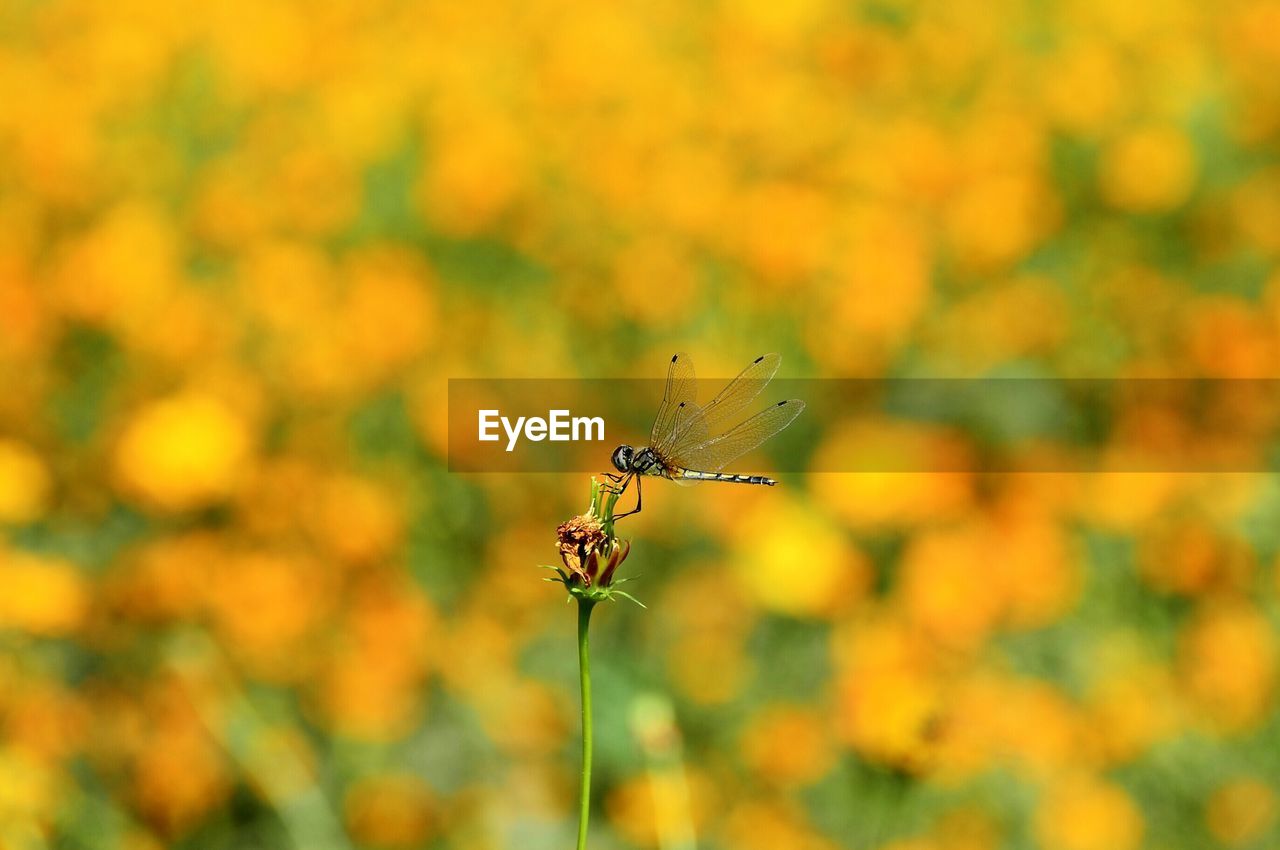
584,673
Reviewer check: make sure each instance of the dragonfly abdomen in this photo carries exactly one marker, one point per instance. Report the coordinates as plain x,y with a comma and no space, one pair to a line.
697,475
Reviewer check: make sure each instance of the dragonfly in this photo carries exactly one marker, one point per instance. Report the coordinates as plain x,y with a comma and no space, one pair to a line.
689,443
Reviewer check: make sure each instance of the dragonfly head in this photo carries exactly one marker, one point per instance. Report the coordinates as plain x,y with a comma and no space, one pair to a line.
622,458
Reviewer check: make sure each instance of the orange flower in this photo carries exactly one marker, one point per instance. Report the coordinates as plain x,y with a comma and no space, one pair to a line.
391,811
1241,811
1227,657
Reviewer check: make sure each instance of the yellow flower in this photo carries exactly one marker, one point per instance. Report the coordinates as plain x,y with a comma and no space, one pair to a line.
24,484
634,806
29,789
1085,813
1131,705
798,563
998,219
1149,170
478,173
878,497
1084,87
121,269
783,230
41,596
184,452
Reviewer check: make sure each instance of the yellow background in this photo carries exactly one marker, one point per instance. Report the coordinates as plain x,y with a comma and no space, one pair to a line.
244,244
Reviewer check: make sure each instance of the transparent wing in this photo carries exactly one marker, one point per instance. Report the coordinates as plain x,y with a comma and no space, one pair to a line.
688,426
715,453
676,400
741,391
725,407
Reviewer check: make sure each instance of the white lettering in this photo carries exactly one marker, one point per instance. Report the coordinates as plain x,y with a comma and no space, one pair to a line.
513,434
560,426
487,423
587,422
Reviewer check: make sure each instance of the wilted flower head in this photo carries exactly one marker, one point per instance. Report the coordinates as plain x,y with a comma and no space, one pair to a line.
577,538
590,555
589,550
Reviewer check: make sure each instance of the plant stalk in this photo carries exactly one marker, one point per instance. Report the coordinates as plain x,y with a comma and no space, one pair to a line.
584,675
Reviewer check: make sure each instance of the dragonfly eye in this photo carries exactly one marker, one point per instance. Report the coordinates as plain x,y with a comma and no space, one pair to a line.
622,458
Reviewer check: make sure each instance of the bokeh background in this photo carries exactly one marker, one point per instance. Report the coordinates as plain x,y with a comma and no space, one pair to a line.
243,245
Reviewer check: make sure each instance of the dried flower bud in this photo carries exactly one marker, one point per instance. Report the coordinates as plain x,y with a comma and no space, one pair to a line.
576,539
590,551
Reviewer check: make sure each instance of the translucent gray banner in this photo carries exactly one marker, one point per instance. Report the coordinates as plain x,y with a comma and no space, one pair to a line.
891,425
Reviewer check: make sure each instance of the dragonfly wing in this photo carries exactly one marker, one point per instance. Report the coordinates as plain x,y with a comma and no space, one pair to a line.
741,391
676,399
688,425
715,453
690,428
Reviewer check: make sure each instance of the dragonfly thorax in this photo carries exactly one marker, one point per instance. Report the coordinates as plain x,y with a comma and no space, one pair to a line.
627,459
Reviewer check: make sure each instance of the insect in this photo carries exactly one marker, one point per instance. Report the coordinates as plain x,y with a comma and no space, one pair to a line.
688,443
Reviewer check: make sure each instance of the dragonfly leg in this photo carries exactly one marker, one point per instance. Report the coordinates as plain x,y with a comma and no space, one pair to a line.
639,496
617,479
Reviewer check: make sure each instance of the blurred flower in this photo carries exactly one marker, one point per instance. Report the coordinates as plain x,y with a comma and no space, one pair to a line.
889,692
265,606
1241,811
880,497
355,519
391,811
178,773
371,686
759,825
1085,813
1185,555
789,745
630,804
1084,86
187,451
1150,169
1227,659
25,484
997,220
29,789
795,562
1133,703
46,721
946,588
242,246
43,596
